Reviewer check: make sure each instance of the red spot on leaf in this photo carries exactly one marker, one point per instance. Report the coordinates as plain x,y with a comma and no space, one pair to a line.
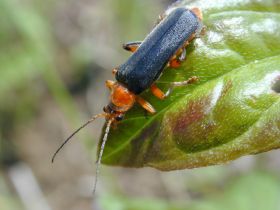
194,112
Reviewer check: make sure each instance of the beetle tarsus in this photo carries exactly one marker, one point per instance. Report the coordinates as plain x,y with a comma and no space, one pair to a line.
132,46
183,55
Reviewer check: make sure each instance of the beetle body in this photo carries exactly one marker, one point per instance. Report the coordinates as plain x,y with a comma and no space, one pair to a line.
145,66
164,45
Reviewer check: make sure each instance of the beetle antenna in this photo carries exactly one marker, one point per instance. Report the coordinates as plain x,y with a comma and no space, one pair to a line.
98,162
76,131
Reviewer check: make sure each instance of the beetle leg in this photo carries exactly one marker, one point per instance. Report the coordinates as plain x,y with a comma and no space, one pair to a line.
131,46
146,105
176,60
160,18
179,84
114,71
109,84
157,92
183,55
174,63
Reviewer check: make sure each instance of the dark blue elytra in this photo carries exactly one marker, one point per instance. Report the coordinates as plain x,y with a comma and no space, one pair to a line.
145,66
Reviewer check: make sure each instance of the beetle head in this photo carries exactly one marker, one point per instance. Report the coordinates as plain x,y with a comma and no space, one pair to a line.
121,100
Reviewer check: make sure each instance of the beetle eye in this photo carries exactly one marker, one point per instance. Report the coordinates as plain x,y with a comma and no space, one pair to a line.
107,109
119,118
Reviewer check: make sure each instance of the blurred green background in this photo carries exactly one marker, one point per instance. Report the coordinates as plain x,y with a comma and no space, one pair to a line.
54,59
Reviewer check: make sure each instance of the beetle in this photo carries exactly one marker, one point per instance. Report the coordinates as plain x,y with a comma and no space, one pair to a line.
164,46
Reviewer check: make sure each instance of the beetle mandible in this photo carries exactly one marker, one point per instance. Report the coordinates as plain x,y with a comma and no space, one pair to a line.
164,46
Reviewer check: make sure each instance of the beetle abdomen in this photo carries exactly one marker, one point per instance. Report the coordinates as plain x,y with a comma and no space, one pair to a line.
146,64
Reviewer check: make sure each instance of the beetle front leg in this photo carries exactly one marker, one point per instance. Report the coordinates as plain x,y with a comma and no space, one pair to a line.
109,84
145,104
179,84
132,46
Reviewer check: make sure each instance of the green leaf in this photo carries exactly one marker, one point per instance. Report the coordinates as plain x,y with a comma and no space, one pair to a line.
256,191
234,109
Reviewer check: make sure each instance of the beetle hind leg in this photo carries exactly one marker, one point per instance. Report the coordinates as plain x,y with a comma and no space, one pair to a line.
178,58
179,84
161,95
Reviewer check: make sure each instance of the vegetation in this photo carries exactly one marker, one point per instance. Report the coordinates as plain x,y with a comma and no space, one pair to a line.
54,59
